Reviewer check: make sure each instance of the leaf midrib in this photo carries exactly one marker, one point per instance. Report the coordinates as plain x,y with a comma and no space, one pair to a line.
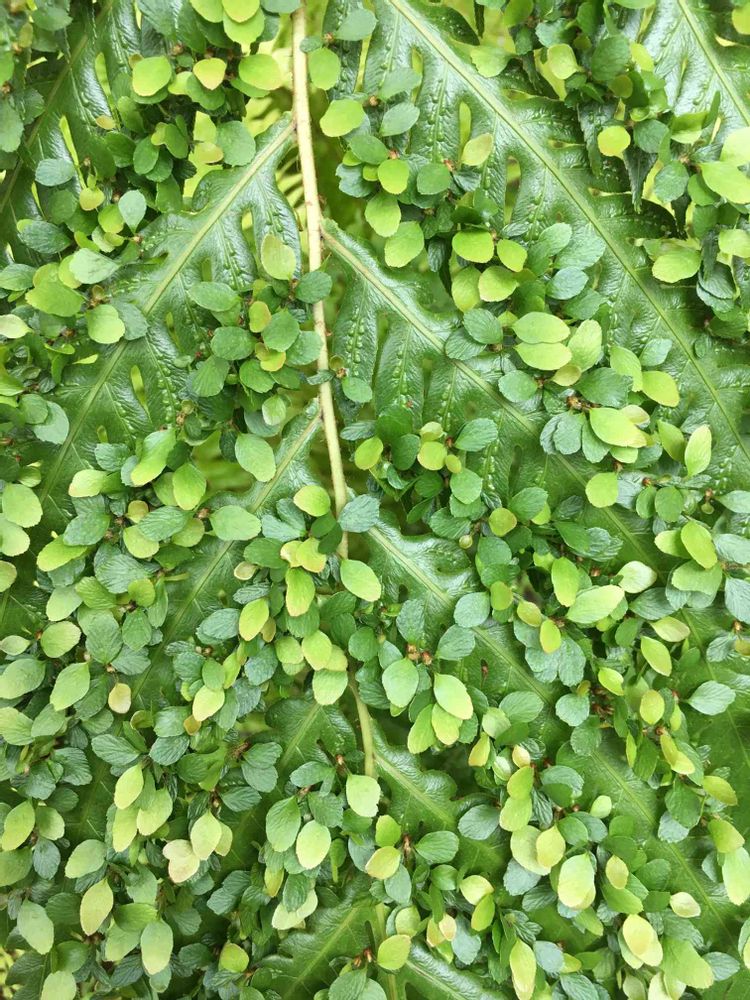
446,52
514,665
518,418
68,65
740,103
431,980
249,818
431,807
257,503
184,254
529,682
322,952
607,513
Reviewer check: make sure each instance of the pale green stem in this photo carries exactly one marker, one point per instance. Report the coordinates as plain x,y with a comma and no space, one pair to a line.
301,108
389,983
301,104
365,725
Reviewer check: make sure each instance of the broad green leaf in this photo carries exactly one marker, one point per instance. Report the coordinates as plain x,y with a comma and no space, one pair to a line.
256,456
641,939
205,835
451,695
261,71
150,75
728,181
474,245
313,500
282,824
59,986
509,491
698,450
656,655
88,856
404,245
575,885
359,579
233,958
157,942
383,863
20,505
614,427
252,618
36,927
676,265
71,684
96,906
324,67
602,489
342,117
128,787
234,524
393,952
594,604
59,638
540,328
523,970
363,794
313,844
183,863
277,258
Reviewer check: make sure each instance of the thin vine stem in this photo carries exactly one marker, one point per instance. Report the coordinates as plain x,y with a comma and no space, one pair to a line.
370,768
301,111
365,725
302,121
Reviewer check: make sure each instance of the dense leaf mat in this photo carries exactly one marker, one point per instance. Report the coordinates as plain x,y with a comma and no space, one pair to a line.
375,499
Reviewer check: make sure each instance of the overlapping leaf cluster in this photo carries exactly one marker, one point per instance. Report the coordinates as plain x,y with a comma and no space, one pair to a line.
478,728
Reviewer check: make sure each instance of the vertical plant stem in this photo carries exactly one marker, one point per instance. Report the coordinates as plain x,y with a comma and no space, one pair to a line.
389,983
301,107
365,725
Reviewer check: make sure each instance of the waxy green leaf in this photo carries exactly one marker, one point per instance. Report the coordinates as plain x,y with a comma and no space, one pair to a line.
381,591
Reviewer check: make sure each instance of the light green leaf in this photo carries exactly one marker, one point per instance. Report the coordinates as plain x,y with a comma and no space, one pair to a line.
157,941
614,427
96,905
393,952
590,606
256,456
342,117
59,986
313,844
575,884
277,258
151,75
359,579
452,696
698,450
363,794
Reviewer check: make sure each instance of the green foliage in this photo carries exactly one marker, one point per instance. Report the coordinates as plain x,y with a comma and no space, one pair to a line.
464,712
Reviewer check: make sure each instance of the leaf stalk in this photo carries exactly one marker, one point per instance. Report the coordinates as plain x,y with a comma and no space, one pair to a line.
302,121
301,112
